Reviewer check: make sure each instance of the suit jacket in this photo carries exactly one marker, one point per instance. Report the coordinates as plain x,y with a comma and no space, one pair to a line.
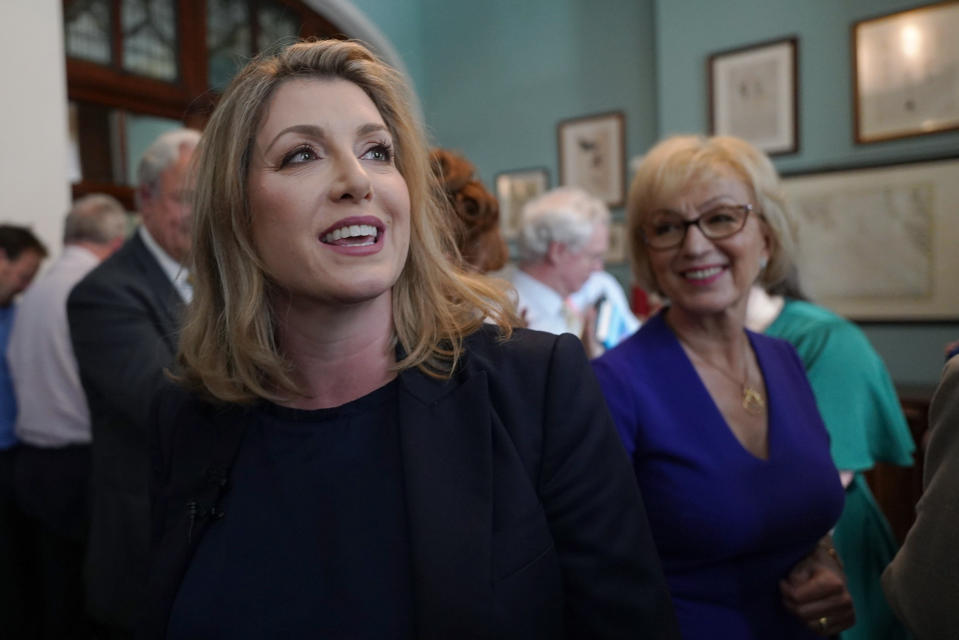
123,318
921,582
525,518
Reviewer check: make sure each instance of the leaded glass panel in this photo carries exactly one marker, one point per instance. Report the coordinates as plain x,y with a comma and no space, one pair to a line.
150,38
87,27
227,39
277,25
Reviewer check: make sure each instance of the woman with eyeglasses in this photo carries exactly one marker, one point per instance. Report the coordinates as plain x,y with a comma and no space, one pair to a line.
727,444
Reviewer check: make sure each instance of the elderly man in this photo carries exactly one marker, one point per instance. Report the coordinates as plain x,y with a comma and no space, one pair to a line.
53,423
563,237
123,321
20,256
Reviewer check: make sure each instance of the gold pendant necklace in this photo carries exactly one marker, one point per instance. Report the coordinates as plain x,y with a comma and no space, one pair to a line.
752,402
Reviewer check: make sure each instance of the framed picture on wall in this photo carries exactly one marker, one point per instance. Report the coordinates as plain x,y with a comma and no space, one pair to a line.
592,155
905,73
513,190
753,94
617,252
879,243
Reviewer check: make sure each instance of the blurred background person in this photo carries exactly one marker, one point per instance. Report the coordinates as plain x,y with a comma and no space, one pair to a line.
728,447
559,281
53,422
922,581
124,316
563,238
399,462
860,407
476,227
21,253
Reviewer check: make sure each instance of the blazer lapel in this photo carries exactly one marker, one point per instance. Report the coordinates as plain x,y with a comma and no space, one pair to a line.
167,303
446,446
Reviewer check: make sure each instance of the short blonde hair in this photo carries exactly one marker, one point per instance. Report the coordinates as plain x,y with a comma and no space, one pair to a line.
669,168
228,347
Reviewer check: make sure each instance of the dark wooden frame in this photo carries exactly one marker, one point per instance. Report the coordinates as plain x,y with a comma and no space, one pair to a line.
792,43
618,118
858,135
187,98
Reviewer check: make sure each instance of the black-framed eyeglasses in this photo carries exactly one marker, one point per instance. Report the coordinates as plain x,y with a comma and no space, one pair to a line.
667,229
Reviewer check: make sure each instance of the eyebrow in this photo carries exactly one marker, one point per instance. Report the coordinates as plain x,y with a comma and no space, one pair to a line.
315,131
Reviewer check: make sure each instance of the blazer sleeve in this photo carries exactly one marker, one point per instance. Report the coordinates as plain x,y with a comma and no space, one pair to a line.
613,580
120,348
920,582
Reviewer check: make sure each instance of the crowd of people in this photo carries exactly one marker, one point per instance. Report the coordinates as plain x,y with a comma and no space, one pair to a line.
299,400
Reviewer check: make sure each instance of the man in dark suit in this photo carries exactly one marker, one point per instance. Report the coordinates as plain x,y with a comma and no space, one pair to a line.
123,321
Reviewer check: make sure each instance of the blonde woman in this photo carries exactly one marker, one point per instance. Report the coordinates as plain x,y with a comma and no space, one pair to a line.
354,452
721,424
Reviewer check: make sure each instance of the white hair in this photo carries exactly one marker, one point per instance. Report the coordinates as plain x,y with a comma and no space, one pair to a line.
567,215
162,153
98,218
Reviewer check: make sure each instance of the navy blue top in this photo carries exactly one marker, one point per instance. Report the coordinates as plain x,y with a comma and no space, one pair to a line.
314,543
728,525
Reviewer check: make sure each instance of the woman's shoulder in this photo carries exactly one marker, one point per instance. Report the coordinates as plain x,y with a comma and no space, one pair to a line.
490,340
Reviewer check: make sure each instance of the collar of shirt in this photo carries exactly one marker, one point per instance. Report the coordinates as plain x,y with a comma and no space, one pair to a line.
174,270
548,301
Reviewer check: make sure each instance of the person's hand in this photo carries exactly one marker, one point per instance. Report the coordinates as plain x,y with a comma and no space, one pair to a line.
815,592
594,348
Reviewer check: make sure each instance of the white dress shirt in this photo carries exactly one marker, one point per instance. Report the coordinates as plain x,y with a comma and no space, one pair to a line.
52,409
542,307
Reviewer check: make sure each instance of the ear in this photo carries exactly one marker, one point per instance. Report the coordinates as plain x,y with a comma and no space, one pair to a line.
144,196
556,252
769,242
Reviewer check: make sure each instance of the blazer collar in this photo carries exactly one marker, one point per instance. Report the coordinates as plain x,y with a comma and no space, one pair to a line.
168,304
446,446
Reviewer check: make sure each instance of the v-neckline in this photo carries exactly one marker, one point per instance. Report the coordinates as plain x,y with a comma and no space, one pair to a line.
718,413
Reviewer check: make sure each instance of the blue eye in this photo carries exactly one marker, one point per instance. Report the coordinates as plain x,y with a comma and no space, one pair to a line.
299,156
380,153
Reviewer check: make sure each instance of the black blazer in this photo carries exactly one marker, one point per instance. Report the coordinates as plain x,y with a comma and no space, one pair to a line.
123,317
525,518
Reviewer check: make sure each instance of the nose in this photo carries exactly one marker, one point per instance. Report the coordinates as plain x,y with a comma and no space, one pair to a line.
695,241
351,181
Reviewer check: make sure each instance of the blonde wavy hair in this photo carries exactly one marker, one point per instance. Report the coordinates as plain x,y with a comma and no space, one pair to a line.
228,346
670,167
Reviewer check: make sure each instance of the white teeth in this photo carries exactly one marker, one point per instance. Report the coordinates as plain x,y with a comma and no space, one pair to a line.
352,231
702,274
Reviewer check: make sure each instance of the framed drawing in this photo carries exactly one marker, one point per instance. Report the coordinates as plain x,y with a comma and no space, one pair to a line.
513,190
592,155
618,251
753,93
879,243
905,73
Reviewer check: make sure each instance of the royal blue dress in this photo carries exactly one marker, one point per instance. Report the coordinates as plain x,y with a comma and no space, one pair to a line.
728,525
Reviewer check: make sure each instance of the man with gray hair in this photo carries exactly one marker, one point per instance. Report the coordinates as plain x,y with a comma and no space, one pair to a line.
564,235
124,316
53,424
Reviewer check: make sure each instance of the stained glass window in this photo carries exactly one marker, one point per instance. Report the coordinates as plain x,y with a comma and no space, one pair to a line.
277,25
87,27
150,38
227,39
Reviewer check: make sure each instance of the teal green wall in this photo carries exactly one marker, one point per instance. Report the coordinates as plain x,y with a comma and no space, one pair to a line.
401,22
501,74
687,31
